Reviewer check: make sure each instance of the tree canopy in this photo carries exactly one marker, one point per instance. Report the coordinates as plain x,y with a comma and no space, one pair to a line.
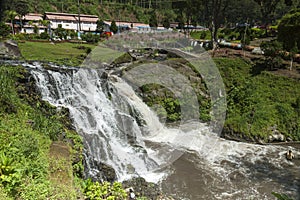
113,27
289,30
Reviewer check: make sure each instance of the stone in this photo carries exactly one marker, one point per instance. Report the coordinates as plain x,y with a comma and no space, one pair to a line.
9,49
104,172
143,188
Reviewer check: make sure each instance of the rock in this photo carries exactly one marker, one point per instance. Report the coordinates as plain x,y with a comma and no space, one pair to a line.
276,137
9,49
142,188
104,172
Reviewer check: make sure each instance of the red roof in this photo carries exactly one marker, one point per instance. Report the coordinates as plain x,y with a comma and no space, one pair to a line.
71,17
31,17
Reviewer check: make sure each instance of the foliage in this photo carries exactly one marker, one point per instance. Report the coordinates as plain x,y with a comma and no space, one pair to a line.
257,102
272,50
105,190
90,38
61,32
281,196
166,23
113,27
100,26
11,14
4,30
45,36
35,29
267,8
204,35
27,126
288,30
153,20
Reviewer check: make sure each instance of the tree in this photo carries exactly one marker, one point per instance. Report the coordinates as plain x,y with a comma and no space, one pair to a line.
289,29
215,13
100,26
22,8
292,54
11,14
180,20
45,23
272,50
4,30
113,27
61,32
267,9
153,19
288,33
166,23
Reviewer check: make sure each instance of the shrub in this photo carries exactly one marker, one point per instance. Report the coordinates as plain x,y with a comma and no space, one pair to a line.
203,35
45,36
4,30
91,38
105,190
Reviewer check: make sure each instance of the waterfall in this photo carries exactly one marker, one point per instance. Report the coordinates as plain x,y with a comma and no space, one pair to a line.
120,131
116,125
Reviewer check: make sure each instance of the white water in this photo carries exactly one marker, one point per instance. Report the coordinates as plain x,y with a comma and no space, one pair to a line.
121,131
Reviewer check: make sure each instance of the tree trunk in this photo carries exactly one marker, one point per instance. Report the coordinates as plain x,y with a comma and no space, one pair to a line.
12,27
214,37
291,63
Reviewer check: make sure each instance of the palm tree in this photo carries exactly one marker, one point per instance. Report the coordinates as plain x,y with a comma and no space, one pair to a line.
11,14
45,23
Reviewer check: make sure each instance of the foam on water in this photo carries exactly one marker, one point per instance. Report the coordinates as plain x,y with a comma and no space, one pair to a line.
120,130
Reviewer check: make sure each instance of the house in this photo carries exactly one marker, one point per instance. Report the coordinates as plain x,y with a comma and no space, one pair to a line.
30,23
75,22
131,26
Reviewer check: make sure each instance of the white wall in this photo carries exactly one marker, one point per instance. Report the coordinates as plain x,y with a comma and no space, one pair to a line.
73,25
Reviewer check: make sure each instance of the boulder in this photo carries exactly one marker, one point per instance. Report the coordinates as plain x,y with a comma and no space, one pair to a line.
142,188
103,172
9,49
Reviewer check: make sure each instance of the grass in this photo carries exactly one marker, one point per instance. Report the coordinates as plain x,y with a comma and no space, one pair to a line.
61,53
102,54
28,127
258,102
196,35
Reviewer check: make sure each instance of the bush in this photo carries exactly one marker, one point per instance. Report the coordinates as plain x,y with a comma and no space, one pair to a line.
45,36
91,38
203,35
4,30
257,33
105,190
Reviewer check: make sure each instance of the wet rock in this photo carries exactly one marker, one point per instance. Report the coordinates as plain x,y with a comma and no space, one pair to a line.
104,172
142,188
276,136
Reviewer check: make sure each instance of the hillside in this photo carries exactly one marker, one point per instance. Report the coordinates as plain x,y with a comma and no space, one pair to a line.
29,127
106,10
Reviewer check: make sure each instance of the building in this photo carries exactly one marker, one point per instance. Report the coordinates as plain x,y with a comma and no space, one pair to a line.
30,22
130,26
85,23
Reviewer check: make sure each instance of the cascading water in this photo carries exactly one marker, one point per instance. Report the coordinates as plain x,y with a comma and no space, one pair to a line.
120,131
111,135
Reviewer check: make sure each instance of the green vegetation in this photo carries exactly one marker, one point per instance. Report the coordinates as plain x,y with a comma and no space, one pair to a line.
70,54
105,190
288,28
203,35
281,196
259,100
27,128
